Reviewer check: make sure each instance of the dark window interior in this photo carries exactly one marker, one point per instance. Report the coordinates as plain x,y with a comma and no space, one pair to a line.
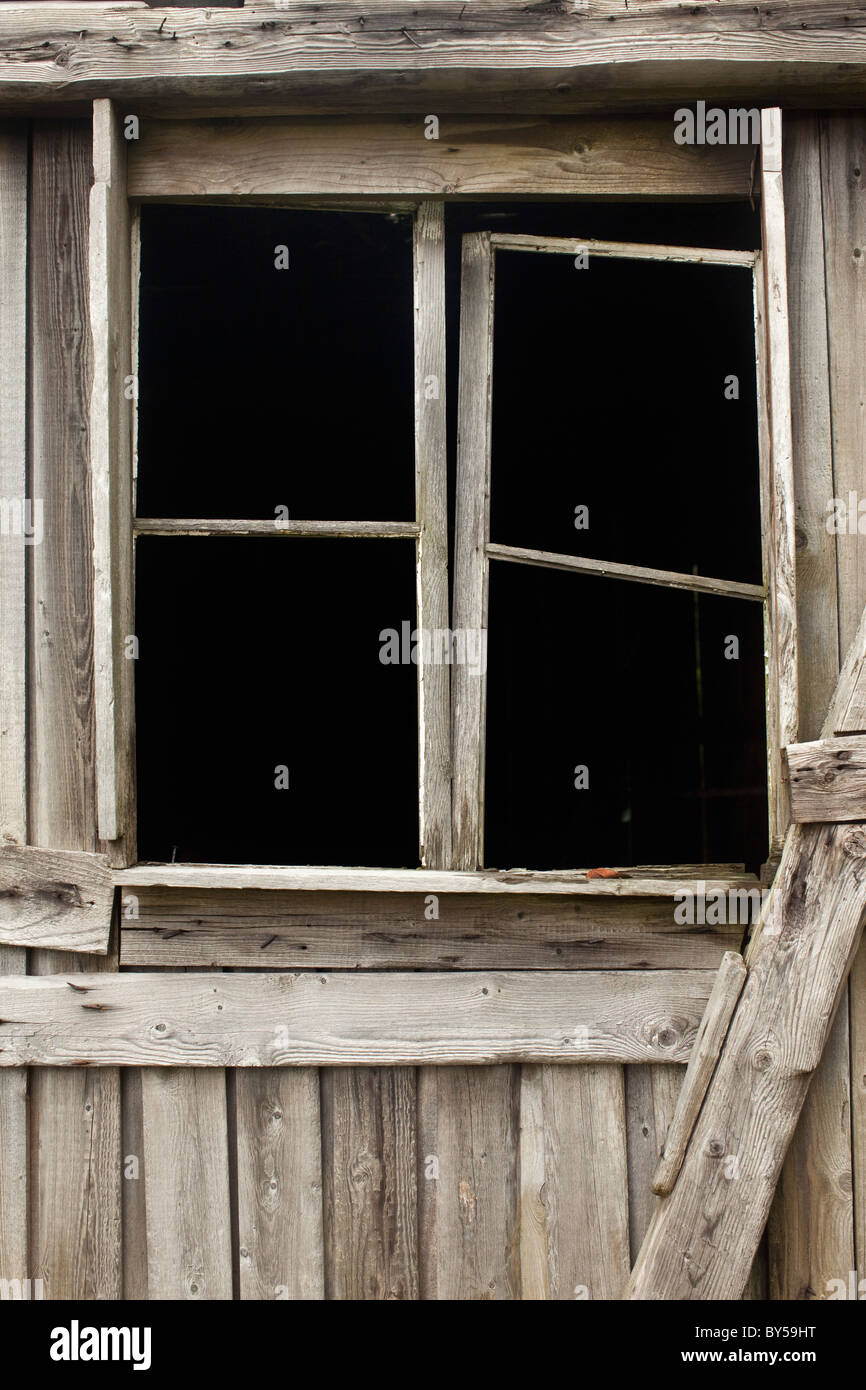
262,388
261,654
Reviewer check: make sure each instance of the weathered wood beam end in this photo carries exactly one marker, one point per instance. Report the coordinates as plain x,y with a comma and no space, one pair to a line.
61,899
827,779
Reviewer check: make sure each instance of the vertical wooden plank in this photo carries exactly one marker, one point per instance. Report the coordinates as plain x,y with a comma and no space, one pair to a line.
75,1170
777,471
574,1180
468,686
13,652
817,598
587,1181
811,1226
279,1140
187,1191
111,477
468,1189
133,1189
369,1176
13,1149
534,1258
843,179
13,482
651,1096
431,506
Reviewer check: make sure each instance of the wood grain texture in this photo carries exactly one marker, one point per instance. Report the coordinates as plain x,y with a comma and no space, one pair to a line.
134,1186
13,658
804,1242
369,1170
187,1190
857,1007
811,1230
75,1171
351,58
635,574
830,1214
280,1242
777,468
60,604
111,482
574,1200
620,250
380,931
468,1137
471,157
817,602
625,883
396,1019
472,534
343,530
650,1099
705,1053
14,1090
843,171
13,483
828,779
431,510
704,1235
55,898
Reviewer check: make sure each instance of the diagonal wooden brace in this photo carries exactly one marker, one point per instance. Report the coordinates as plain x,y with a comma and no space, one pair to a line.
55,898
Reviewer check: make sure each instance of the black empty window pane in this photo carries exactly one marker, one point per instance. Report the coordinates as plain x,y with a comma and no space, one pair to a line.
609,395
263,388
645,689
263,655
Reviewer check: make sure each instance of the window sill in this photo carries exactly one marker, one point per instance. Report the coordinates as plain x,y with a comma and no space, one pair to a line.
641,882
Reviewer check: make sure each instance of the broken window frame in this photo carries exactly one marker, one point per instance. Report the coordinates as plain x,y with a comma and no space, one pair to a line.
475,551
442,810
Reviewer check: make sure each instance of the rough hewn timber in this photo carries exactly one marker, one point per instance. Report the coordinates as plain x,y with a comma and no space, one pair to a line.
348,57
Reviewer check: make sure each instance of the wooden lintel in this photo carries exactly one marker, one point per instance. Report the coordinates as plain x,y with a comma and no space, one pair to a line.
344,1019
474,156
349,57
705,1053
55,898
827,779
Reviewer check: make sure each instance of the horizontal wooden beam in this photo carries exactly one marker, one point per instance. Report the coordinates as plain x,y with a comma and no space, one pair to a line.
714,1027
471,157
185,526
627,883
636,574
55,898
349,57
827,779
399,1019
623,250
216,928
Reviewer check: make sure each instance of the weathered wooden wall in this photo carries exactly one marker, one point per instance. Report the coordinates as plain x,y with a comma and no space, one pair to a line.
484,1182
